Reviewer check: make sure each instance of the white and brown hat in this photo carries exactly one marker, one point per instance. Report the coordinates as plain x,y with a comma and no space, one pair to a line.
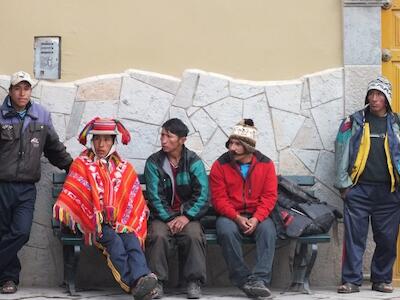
246,133
381,84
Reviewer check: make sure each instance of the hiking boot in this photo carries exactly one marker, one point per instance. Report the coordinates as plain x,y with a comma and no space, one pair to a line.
144,287
254,289
193,290
158,291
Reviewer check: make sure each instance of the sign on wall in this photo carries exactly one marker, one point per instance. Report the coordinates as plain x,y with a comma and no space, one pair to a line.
47,57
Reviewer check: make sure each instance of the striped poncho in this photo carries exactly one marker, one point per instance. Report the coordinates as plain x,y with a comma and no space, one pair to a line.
97,192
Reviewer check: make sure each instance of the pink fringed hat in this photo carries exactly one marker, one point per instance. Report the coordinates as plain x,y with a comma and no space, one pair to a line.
104,126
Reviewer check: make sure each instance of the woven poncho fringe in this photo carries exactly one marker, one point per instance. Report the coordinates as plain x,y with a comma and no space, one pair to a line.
94,193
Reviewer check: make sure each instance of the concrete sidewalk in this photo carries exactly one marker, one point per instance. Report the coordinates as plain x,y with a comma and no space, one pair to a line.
38,293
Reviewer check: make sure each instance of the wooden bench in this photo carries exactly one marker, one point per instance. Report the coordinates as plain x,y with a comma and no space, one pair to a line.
301,261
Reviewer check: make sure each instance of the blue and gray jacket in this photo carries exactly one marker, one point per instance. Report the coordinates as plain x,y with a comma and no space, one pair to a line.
191,186
23,140
352,147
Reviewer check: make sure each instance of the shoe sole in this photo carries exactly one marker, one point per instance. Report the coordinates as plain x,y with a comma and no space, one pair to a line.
259,292
144,291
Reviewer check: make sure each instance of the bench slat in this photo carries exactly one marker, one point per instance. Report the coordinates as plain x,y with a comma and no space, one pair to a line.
304,180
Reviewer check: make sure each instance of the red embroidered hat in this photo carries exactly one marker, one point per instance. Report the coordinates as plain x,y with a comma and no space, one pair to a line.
104,126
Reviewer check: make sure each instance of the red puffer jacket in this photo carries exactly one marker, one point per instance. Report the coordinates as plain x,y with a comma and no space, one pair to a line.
232,194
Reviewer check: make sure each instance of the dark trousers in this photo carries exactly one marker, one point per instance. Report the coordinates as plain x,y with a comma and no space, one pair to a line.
230,239
191,245
124,255
366,202
17,202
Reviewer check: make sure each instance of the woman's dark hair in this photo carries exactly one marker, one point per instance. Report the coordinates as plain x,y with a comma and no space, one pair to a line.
176,126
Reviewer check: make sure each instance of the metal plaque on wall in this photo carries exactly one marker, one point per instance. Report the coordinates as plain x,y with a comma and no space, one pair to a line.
47,57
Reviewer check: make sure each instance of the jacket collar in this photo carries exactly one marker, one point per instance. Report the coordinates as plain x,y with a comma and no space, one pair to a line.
8,111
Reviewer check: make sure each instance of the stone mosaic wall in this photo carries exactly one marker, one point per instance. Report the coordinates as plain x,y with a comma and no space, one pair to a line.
297,122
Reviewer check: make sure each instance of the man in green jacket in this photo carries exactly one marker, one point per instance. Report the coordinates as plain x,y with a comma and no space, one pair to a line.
177,194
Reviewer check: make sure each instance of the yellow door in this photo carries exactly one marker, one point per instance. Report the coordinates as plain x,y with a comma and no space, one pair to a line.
391,69
391,49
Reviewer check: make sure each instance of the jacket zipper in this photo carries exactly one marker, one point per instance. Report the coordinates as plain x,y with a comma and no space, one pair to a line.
20,151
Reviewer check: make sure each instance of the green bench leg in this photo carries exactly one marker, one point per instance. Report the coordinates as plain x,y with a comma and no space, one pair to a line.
301,264
71,259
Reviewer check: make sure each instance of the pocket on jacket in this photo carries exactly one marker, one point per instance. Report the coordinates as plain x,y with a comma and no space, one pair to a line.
9,133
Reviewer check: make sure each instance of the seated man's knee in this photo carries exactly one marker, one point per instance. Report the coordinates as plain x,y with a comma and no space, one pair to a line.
193,230
226,227
267,226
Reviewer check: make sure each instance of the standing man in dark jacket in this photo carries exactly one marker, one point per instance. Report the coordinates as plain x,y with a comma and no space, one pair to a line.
26,131
177,194
367,161
244,192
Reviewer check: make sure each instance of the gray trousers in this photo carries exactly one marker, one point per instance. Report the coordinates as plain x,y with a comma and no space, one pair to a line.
191,244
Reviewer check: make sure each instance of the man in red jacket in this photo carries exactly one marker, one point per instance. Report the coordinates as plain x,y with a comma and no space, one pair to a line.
244,192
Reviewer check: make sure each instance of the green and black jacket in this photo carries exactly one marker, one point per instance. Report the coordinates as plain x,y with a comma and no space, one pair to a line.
191,186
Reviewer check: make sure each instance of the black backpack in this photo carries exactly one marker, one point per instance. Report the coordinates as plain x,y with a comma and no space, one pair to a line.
299,213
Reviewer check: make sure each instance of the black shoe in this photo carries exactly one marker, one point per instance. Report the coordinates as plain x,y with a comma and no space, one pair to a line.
254,289
193,290
144,287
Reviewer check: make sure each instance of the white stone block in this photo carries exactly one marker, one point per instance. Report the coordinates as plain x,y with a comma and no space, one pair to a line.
203,124
356,83
191,110
102,109
285,95
211,88
214,148
37,90
245,89
195,143
286,126
180,113
59,124
74,147
308,136
3,95
58,98
138,165
325,171
142,102
185,93
226,113
166,83
256,108
327,118
5,82
328,195
99,88
308,157
326,86
305,96
362,35
289,164
143,140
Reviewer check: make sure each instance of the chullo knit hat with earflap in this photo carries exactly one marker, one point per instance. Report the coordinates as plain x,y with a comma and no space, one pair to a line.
381,84
246,133
104,126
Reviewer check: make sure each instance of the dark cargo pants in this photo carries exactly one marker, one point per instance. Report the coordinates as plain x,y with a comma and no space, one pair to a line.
191,245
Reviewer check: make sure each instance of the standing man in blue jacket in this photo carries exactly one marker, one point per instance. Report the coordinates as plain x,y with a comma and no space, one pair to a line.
177,194
26,131
367,176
